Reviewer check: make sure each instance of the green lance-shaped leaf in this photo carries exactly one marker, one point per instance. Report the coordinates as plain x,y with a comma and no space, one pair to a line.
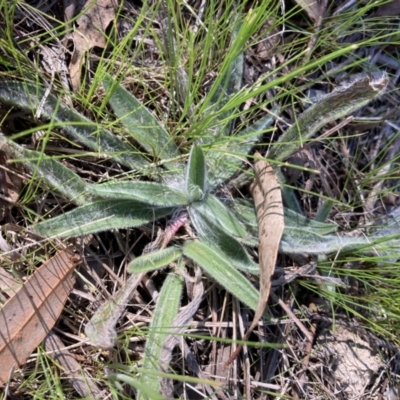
296,225
227,246
100,216
225,163
298,222
152,261
305,236
28,96
341,102
160,327
151,193
55,174
213,210
330,244
223,272
196,175
140,122
244,212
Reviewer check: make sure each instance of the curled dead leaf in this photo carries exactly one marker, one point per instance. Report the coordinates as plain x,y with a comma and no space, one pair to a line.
90,32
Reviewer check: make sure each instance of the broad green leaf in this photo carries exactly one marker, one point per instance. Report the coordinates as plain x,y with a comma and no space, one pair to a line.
227,246
100,216
28,96
55,174
160,327
295,223
196,175
308,236
152,261
212,209
151,193
331,244
225,163
244,211
140,122
222,272
343,101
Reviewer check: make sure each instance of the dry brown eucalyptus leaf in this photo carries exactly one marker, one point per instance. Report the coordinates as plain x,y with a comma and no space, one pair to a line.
90,32
269,208
267,197
31,313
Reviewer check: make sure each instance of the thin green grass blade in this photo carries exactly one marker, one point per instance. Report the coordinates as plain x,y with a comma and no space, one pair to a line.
222,272
140,122
55,174
152,261
151,193
101,216
160,328
196,175
28,96
253,132
226,85
175,50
